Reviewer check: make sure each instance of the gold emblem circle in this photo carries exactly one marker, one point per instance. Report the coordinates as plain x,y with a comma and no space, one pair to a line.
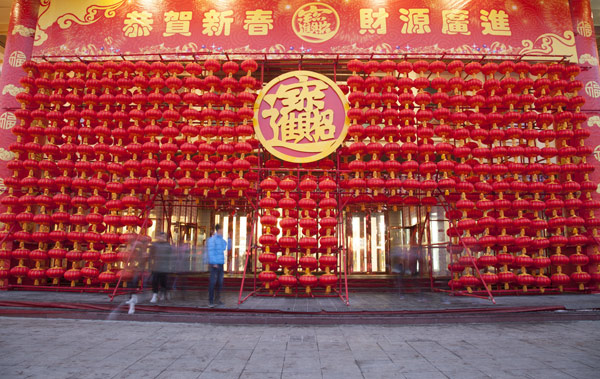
314,40
288,158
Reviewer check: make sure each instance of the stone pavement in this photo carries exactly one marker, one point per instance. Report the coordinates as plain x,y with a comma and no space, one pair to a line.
359,301
74,349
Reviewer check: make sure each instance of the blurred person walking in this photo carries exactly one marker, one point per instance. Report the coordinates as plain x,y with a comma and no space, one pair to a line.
397,255
137,260
160,256
180,269
216,246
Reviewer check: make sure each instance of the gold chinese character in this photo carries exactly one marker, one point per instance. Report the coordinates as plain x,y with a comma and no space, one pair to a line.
416,20
495,23
302,123
217,23
138,24
373,21
314,22
592,89
258,22
455,21
177,23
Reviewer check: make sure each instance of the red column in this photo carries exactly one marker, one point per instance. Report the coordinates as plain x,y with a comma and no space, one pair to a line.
587,58
19,44
585,39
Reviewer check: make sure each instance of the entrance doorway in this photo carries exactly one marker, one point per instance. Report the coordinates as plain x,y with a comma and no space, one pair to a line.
188,227
409,240
236,232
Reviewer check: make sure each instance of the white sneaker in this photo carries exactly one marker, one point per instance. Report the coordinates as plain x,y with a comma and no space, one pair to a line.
133,299
154,298
161,297
131,308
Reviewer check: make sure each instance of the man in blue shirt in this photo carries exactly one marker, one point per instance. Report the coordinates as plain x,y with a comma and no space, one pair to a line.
216,246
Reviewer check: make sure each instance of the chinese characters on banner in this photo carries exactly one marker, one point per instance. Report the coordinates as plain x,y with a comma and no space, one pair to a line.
257,22
313,22
360,26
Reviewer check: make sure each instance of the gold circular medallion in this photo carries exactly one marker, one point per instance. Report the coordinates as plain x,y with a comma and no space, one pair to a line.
315,22
301,116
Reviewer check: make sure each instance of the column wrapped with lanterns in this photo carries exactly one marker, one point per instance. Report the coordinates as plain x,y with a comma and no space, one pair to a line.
357,148
328,239
47,104
308,243
289,238
268,258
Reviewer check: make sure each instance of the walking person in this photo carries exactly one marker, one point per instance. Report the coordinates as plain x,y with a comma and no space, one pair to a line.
397,258
137,247
216,246
160,255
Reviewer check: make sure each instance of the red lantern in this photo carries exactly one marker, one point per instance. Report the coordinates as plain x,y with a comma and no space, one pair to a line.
327,281
308,281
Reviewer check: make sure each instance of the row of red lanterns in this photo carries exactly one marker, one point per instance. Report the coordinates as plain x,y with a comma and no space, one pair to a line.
94,168
298,249
544,94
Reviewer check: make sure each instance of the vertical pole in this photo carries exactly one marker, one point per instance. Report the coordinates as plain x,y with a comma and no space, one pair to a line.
262,72
341,223
429,257
339,229
298,250
248,256
257,213
18,49
335,71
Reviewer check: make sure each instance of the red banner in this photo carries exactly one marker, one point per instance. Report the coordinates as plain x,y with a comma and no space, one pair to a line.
293,26
590,78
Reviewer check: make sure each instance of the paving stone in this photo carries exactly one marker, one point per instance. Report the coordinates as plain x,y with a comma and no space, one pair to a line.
547,374
286,374
424,375
302,354
582,373
341,363
220,370
260,375
234,354
101,373
178,374
499,373
465,374
565,363
337,374
189,363
301,364
523,350
414,365
136,373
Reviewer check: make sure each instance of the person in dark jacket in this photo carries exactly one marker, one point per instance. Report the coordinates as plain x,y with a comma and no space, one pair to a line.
216,246
160,256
